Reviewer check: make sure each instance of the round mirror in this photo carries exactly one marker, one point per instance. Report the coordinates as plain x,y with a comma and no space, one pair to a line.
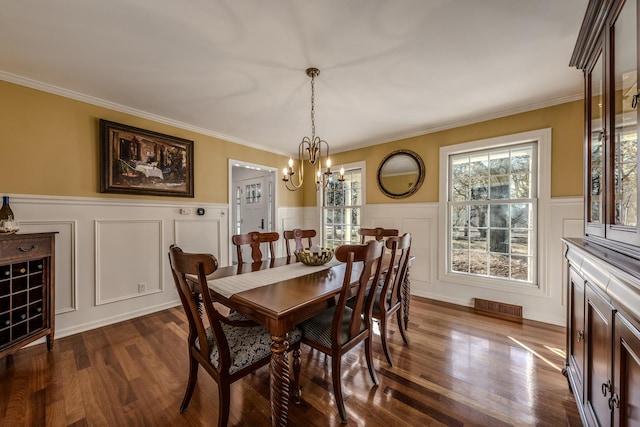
400,174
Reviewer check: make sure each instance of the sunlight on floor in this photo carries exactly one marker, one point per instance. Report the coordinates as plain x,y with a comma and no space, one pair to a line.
530,350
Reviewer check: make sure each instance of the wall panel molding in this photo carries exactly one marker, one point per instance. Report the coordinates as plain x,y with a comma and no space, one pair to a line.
128,255
66,284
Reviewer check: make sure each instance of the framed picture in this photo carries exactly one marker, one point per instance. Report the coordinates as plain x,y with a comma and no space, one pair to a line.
138,161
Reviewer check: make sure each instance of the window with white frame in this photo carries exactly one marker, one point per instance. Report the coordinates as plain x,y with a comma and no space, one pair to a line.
342,204
492,199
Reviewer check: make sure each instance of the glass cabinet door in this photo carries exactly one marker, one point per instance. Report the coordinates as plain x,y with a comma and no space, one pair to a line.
595,188
624,200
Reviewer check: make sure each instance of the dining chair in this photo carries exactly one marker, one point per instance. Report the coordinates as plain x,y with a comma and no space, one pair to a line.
229,348
297,235
377,233
339,328
388,296
254,239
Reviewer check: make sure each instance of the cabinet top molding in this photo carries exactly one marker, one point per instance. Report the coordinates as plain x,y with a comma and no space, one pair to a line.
594,20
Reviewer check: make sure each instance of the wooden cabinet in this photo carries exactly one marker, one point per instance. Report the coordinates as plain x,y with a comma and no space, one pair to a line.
607,52
26,290
603,295
603,338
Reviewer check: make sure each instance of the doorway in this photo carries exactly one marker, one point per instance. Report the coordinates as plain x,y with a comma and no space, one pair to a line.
252,196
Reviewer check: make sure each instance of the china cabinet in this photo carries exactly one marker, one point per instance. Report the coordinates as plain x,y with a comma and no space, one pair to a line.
603,299
26,290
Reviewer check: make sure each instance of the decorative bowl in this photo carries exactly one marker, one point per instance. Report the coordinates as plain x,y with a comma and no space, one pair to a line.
308,257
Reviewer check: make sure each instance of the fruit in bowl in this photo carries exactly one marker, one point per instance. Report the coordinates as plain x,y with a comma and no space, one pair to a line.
314,255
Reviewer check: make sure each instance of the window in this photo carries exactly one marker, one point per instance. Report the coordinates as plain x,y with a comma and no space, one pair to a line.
342,204
491,203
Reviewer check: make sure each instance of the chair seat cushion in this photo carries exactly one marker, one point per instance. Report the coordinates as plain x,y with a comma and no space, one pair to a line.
318,328
247,345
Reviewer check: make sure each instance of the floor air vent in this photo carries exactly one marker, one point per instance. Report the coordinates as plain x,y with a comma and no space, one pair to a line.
498,309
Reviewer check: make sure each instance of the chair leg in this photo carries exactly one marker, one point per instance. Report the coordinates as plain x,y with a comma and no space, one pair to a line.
368,350
224,400
191,383
403,331
337,387
296,376
383,337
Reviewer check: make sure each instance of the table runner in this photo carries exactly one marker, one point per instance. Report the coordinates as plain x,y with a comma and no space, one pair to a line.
227,286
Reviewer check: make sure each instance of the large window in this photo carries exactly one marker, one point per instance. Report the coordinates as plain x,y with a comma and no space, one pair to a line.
492,200
342,204
492,212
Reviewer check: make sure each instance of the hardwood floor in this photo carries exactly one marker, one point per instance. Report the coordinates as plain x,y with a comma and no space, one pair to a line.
460,368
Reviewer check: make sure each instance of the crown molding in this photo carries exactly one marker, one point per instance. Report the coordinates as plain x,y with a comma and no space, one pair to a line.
57,90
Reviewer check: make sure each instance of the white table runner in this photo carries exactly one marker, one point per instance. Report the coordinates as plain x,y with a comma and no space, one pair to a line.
227,286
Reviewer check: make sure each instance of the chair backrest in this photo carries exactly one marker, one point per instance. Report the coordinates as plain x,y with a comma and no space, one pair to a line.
370,255
377,233
297,235
398,264
199,265
254,239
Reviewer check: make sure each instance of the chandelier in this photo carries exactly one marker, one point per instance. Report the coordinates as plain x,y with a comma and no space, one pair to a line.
313,147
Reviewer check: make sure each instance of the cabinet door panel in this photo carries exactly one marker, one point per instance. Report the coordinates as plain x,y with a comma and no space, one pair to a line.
627,374
595,215
599,356
577,333
624,137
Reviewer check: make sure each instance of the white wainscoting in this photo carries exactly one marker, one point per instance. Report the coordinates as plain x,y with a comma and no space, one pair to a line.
105,247
66,292
421,220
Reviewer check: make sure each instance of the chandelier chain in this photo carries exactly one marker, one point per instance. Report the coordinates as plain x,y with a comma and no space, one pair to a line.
313,108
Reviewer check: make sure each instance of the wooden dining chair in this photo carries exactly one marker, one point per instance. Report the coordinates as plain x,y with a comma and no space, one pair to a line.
254,239
388,296
297,235
377,233
228,349
339,328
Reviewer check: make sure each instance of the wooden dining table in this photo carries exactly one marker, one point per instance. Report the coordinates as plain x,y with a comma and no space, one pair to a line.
280,306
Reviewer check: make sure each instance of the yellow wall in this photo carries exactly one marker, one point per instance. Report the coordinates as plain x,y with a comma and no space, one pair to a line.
49,145
565,120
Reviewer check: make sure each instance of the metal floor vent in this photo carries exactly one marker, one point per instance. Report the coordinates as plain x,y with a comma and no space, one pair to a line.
498,309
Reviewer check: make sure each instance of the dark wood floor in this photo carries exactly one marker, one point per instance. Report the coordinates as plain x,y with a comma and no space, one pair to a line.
461,368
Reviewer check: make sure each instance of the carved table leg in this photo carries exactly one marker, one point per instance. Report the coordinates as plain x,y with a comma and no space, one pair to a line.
279,381
296,376
406,295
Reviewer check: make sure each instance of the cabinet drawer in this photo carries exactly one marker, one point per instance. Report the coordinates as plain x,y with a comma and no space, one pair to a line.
17,249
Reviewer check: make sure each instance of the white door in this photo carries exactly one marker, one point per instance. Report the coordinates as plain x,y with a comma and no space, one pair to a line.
254,213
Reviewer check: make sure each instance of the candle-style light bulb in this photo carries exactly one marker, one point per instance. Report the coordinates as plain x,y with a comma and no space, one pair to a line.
341,171
284,173
328,163
290,162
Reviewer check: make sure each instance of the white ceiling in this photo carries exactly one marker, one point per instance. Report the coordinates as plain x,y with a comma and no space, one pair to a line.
235,69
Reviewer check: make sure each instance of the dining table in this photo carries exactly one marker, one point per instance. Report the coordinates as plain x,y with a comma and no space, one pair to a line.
280,293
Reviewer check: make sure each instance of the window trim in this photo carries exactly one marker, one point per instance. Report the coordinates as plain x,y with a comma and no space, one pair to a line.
320,194
542,137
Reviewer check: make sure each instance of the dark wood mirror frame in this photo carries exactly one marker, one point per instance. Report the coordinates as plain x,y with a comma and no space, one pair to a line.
412,186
